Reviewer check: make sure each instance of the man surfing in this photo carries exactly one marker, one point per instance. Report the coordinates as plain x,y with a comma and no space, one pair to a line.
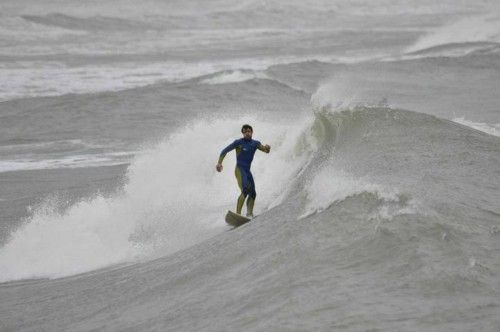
245,150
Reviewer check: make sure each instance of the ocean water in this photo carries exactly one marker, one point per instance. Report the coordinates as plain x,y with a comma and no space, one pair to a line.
378,206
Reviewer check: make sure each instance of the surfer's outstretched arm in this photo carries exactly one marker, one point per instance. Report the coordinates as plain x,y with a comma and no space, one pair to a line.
265,148
223,153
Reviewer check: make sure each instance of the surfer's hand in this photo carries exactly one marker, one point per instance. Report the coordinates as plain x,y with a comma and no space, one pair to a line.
268,148
218,167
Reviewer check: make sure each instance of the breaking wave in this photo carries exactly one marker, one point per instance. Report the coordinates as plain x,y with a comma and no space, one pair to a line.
353,159
471,34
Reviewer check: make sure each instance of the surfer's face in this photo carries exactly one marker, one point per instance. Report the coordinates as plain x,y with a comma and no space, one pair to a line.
247,133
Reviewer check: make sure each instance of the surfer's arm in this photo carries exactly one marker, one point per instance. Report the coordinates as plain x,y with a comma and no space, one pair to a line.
265,148
227,149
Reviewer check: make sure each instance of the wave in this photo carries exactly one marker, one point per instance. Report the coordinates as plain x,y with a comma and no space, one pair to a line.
360,163
29,154
465,35
88,24
52,79
254,77
18,29
233,76
56,79
74,161
455,50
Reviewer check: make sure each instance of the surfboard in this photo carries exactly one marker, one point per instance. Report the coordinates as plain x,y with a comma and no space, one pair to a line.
235,219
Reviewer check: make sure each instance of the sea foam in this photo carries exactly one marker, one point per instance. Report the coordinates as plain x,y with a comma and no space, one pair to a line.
173,198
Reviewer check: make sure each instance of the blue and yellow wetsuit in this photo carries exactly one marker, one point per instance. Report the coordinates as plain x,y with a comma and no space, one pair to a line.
245,150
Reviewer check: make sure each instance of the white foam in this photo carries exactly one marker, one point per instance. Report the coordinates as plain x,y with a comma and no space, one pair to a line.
173,199
75,161
330,185
48,146
52,79
34,79
234,77
492,129
343,93
334,95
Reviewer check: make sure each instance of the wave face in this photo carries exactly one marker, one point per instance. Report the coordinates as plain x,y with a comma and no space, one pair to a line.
414,155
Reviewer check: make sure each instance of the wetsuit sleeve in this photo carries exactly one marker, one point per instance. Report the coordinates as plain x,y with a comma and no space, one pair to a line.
262,148
227,149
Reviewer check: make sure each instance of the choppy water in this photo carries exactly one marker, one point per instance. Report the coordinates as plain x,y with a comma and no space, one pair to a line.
378,206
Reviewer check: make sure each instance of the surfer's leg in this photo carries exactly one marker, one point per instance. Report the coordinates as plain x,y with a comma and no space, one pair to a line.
241,200
250,203
243,195
251,195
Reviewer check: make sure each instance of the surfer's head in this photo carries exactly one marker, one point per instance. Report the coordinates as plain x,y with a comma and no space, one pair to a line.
247,131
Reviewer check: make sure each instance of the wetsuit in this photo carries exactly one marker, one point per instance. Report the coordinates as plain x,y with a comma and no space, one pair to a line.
245,150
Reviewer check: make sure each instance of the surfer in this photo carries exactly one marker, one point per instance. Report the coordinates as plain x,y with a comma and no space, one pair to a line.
245,150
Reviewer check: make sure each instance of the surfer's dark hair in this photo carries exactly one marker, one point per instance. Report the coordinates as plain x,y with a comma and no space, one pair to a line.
246,126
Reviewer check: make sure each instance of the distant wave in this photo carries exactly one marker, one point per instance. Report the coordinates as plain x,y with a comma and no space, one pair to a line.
455,50
88,24
19,29
474,31
20,154
55,79
233,76
76,161
240,76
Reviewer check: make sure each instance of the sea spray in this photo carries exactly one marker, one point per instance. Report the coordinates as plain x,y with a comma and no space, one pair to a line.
173,198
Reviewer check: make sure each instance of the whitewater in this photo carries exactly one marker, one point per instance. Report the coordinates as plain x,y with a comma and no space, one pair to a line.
377,208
